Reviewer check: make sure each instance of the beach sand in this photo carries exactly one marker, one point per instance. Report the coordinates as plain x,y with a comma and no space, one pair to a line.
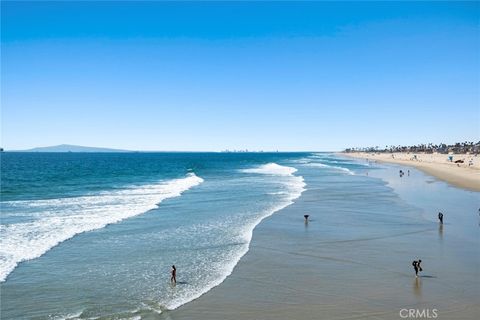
342,265
461,175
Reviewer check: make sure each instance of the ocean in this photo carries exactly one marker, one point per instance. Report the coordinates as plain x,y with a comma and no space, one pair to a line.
94,235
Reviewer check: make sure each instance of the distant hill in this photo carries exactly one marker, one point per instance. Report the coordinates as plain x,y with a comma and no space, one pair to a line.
71,148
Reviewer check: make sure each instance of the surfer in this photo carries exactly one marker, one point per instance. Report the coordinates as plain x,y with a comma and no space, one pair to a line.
306,218
440,217
173,279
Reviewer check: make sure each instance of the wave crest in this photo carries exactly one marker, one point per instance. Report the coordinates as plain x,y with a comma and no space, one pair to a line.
322,165
272,169
294,187
53,221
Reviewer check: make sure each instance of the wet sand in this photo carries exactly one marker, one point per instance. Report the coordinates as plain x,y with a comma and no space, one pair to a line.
343,265
464,175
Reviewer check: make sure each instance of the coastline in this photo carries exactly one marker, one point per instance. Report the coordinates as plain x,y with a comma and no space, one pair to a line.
297,271
436,165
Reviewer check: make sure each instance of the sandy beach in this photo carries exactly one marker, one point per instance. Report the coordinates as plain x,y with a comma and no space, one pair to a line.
464,175
356,263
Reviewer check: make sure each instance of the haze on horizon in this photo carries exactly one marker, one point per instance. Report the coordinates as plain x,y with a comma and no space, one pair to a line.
222,75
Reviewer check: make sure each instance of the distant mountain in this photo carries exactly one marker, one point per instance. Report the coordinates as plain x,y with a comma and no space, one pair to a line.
71,148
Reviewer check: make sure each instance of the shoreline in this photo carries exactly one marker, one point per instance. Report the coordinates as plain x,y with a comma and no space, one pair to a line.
301,271
461,175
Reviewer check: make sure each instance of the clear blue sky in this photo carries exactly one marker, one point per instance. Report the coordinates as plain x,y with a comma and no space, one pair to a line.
212,76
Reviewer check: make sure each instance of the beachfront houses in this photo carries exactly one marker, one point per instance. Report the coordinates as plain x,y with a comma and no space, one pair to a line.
457,148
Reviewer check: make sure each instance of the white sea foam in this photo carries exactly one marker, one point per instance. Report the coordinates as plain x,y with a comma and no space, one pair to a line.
272,169
327,158
294,185
56,220
301,161
357,163
318,156
322,165
69,316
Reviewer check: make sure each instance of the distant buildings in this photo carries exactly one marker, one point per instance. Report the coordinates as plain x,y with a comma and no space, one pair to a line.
243,151
457,148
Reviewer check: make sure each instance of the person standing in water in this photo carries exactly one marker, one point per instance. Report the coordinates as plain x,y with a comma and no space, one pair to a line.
173,279
440,217
417,267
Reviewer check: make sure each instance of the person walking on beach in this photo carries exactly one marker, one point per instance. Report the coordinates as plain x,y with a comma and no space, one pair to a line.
417,267
440,217
173,279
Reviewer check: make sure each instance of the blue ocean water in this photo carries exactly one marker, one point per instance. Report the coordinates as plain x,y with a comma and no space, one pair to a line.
94,235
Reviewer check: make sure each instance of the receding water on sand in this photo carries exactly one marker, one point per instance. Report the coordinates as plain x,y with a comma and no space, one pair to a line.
196,211
351,260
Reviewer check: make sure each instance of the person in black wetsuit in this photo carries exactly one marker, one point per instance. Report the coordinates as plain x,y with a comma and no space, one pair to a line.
440,217
417,267
173,279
